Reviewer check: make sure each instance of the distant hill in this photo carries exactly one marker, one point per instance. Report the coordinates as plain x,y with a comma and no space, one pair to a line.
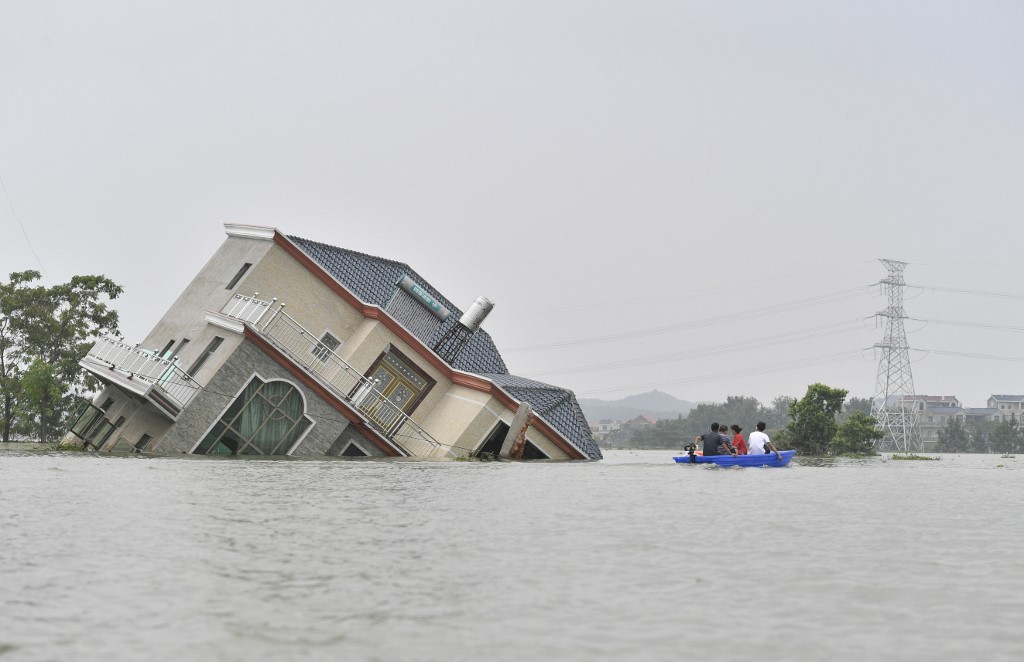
654,404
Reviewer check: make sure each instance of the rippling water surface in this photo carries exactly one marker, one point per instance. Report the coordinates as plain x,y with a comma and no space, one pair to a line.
635,557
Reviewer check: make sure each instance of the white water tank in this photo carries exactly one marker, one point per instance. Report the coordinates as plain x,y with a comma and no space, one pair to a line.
473,317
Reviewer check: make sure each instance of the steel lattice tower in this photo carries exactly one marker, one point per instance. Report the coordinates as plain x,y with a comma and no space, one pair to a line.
893,404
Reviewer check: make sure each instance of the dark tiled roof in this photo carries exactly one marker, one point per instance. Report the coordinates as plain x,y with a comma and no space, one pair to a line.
555,405
374,280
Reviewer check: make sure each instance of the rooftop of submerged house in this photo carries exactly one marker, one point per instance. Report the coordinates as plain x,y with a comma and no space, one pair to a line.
374,280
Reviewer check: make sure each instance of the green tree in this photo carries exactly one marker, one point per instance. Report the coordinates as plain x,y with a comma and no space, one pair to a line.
675,433
953,438
777,415
42,401
812,426
857,435
854,405
977,437
44,333
1005,437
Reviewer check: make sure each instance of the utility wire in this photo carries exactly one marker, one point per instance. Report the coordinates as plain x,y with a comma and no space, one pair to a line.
744,372
969,355
978,325
10,204
953,290
743,345
695,294
831,297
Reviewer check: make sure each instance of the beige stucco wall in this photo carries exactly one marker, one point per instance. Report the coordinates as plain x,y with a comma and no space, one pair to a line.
307,299
186,318
140,418
453,415
545,445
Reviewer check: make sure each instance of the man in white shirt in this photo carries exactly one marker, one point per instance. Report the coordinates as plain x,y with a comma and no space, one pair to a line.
759,443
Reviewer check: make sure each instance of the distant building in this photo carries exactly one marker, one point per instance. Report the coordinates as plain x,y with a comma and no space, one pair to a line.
603,428
980,414
641,422
339,354
934,413
1010,406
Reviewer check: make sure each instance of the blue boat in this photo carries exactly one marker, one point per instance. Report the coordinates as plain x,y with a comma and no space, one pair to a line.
765,460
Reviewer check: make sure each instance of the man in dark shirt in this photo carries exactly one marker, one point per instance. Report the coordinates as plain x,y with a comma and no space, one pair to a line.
714,443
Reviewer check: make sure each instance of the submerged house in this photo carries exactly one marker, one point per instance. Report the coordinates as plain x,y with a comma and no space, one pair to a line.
285,346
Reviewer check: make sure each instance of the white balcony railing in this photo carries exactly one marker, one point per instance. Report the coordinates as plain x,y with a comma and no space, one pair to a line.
344,381
146,366
246,309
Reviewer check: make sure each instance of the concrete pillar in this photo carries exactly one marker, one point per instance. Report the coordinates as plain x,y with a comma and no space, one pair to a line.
515,440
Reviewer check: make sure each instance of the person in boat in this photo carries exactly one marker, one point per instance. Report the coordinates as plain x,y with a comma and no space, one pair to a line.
759,443
715,443
738,442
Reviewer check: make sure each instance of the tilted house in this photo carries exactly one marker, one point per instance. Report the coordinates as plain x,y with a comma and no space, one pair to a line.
285,346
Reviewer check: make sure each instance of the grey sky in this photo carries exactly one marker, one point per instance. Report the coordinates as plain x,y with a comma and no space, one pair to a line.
594,168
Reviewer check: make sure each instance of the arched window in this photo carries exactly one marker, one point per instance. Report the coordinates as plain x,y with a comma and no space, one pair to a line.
265,419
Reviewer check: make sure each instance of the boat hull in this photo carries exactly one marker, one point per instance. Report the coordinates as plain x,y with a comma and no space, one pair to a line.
765,460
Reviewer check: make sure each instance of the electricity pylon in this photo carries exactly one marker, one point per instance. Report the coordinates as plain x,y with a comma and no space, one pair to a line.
893,405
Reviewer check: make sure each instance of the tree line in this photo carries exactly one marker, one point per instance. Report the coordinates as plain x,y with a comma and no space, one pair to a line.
44,333
823,422
981,437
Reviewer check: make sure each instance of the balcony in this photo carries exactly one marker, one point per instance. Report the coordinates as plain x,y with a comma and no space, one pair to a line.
342,380
141,372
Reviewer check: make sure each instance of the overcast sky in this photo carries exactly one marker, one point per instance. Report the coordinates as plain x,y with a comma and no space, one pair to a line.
687,196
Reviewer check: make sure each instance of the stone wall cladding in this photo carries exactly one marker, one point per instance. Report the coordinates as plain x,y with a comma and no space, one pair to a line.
352,434
245,362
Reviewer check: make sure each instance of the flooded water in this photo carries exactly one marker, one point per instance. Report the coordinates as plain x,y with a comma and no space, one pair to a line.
635,557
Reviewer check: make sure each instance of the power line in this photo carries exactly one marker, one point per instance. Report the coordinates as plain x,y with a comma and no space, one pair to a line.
979,325
953,290
831,297
694,294
745,372
970,355
22,225
743,345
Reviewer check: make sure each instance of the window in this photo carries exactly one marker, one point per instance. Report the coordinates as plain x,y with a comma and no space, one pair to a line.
119,422
122,446
180,348
353,451
238,276
106,404
266,418
100,433
86,417
143,441
210,349
167,348
326,346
